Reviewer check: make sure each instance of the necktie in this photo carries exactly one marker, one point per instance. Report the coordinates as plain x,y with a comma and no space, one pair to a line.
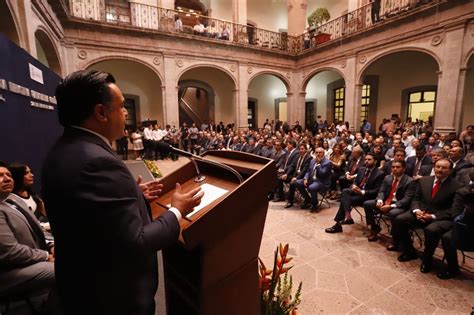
287,158
313,173
354,167
364,179
298,165
417,167
435,188
389,199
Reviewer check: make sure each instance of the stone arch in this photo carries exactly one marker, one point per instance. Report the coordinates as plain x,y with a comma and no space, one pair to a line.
360,75
285,80
9,24
314,72
469,55
122,57
51,55
204,65
141,87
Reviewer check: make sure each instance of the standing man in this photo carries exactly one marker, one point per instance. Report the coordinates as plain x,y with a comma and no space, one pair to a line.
431,210
115,244
375,11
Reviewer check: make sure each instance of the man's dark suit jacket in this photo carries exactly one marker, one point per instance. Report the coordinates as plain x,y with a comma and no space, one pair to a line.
441,204
411,163
462,164
106,241
373,183
352,161
303,168
289,169
323,172
405,190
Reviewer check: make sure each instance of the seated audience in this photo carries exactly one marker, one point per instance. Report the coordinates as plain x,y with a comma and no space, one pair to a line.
286,170
431,209
365,187
393,198
356,161
415,162
462,235
26,261
301,168
316,180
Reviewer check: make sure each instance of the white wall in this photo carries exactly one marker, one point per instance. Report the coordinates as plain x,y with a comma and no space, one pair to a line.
266,88
317,88
136,79
268,14
223,87
397,72
335,7
221,9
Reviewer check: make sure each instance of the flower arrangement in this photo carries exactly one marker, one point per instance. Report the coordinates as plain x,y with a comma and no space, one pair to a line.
155,171
275,291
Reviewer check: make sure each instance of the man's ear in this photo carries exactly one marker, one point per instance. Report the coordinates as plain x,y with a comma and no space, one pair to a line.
99,112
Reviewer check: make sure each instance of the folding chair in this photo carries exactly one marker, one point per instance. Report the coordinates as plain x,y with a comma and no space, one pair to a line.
359,212
324,199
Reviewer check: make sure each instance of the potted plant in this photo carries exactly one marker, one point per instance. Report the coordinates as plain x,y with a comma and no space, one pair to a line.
315,20
276,296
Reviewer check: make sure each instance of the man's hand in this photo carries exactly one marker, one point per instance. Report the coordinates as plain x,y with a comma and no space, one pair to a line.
379,204
386,208
305,182
185,202
150,190
350,177
356,189
427,218
420,215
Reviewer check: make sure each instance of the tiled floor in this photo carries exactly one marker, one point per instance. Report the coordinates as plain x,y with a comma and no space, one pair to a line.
345,274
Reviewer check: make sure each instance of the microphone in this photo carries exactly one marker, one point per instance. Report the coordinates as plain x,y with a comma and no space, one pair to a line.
168,148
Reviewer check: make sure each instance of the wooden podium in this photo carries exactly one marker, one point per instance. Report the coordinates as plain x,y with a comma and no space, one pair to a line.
213,268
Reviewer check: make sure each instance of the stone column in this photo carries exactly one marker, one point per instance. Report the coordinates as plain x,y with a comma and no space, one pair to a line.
170,92
297,16
448,100
241,97
239,11
459,100
353,92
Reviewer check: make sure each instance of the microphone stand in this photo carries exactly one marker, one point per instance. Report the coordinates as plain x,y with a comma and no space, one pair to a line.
230,169
199,177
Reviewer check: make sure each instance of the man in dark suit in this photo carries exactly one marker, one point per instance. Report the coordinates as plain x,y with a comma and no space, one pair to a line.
355,162
399,154
316,180
393,198
428,169
27,266
461,236
456,155
414,163
115,242
288,168
365,187
431,209
302,165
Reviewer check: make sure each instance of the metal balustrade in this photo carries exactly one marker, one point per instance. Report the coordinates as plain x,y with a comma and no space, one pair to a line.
160,19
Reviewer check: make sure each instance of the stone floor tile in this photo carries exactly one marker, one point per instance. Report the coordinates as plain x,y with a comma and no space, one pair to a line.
385,277
450,299
388,303
415,294
326,302
330,281
360,286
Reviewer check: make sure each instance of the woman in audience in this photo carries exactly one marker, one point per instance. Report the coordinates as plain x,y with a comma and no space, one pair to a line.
23,190
137,144
338,160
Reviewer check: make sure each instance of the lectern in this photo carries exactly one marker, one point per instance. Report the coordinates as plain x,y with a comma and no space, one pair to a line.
213,268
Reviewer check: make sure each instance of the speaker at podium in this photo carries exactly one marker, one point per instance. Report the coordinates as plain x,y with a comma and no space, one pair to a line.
213,267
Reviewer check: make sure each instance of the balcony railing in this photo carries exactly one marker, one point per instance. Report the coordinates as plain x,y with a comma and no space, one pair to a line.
160,19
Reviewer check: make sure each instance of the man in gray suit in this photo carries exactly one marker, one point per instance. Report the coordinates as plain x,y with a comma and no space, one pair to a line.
26,261
115,243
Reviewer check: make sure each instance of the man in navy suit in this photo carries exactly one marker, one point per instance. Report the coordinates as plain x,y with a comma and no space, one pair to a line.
106,262
431,209
365,187
317,179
